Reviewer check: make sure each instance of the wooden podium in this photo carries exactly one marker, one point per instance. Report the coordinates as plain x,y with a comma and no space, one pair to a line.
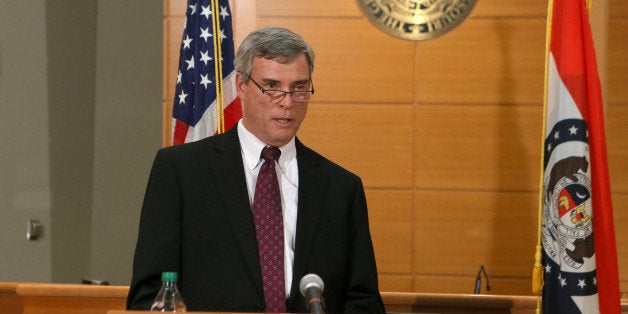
440,303
44,298
457,303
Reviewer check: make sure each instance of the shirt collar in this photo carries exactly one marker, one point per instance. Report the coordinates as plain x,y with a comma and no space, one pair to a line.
252,149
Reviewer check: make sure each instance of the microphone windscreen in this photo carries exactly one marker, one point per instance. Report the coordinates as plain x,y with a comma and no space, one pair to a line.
311,280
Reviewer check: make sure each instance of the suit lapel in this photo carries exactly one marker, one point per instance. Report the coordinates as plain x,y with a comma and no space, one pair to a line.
312,186
226,164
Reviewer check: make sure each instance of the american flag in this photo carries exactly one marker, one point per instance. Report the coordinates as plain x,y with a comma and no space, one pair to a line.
207,50
578,238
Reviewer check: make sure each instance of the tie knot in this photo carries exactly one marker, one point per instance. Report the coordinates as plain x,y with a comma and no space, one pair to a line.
270,153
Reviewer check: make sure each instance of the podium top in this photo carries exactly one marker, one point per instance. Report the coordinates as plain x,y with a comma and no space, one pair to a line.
63,290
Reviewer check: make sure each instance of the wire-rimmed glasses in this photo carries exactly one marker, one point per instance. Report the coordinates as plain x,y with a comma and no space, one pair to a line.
276,95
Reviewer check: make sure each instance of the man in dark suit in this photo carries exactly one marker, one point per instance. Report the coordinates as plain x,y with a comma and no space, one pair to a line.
198,212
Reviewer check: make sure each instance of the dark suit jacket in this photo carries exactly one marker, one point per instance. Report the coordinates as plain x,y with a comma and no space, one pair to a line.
196,220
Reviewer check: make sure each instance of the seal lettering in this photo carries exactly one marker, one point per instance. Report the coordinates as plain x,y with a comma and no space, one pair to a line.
414,19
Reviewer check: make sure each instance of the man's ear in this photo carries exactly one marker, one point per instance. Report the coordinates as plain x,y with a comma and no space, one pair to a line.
239,84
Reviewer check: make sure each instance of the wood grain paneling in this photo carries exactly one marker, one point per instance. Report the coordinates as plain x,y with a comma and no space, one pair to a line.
373,141
620,215
617,93
175,8
509,9
457,231
477,147
354,61
390,217
319,8
166,135
173,33
484,61
617,147
616,8
466,284
400,283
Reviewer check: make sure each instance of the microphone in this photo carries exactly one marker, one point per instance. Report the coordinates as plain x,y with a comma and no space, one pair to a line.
478,280
311,287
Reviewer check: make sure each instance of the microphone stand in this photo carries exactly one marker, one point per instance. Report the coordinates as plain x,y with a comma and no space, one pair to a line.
478,281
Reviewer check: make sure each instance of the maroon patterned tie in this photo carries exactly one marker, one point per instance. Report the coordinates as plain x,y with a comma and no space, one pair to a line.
269,229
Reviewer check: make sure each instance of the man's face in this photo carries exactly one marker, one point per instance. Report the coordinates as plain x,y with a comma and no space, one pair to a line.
273,123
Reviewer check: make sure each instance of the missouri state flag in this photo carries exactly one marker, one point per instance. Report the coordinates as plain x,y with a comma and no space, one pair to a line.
577,234
205,100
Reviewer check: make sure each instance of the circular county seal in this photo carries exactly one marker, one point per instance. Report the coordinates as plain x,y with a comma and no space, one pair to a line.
416,19
568,222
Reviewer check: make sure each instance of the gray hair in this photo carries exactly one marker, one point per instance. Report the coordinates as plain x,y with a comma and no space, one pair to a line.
274,43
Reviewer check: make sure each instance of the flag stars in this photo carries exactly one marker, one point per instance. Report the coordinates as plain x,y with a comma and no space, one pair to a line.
182,97
179,77
193,7
563,281
223,12
205,57
190,63
205,33
581,283
222,35
187,41
206,12
573,130
548,268
556,135
205,80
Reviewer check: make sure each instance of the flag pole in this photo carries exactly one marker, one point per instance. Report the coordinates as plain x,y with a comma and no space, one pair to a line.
537,273
220,119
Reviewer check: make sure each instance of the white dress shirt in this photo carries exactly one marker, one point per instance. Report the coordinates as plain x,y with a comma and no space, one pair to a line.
288,176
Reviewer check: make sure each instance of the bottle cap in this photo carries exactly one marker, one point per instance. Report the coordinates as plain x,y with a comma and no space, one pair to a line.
169,276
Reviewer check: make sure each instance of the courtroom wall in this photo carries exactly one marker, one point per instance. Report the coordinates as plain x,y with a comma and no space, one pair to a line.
445,133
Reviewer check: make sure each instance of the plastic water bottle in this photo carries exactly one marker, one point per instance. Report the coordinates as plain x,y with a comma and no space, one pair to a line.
168,298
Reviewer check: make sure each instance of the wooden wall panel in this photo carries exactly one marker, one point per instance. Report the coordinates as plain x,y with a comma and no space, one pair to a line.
373,141
349,65
510,9
477,147
617,147
445,283
175,8
484,61
466,284
401,283
390,217
617,93
173,34
319,8
617,9
456,231
620,215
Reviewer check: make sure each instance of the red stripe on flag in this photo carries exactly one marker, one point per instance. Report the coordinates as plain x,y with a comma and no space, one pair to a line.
568,34
233,113
180,132
604,229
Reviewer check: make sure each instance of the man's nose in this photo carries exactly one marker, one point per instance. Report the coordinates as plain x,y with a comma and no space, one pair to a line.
286,101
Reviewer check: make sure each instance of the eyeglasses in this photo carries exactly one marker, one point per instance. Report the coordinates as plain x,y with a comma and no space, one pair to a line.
277,95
